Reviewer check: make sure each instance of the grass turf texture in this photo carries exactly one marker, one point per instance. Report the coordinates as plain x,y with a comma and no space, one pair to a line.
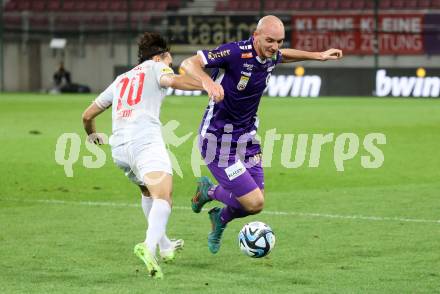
75,247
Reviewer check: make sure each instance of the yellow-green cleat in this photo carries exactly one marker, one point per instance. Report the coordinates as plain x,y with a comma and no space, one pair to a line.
153,268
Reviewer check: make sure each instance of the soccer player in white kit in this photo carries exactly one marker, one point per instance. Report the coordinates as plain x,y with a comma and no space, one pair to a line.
137,145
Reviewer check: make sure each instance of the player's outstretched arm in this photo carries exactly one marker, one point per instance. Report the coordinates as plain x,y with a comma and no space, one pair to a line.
88,119
193,66
292,55
181,82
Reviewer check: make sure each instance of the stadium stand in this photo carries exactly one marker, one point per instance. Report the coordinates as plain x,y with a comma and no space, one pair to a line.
45,6
107,15
282,5
79,14
30,25
69,14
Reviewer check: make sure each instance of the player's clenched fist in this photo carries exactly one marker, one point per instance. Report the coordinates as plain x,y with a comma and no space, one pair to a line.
331,54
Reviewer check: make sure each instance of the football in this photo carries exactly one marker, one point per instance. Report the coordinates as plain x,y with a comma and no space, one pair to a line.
256,239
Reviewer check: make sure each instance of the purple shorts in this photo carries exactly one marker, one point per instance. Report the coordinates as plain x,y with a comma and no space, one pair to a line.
238,178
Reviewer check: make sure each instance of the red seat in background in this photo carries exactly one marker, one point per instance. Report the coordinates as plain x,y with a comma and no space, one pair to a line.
53,5
424,4
294,5
24,5
359,4
410,4
345,4
320,4
270,5
282,5
11,6
38,5
435,4
333,5
385,4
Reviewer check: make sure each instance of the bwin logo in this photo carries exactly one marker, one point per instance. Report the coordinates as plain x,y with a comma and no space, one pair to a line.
296,85
419,86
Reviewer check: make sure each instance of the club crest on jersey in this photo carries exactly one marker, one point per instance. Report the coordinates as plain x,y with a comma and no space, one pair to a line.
242,83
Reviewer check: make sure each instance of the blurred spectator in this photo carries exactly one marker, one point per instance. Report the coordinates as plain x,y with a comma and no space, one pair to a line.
63,83
60,75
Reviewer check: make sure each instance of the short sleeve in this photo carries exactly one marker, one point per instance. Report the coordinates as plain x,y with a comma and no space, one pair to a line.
279,57
160,69
105,99
219,57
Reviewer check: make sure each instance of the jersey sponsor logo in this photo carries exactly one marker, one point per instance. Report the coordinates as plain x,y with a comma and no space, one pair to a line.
248,67
214,55
415,86
242,83
248,74
246,55
235,170
247,47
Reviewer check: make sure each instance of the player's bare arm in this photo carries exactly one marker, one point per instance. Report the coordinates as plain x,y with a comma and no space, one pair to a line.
193,66
293,55
181,82
88,119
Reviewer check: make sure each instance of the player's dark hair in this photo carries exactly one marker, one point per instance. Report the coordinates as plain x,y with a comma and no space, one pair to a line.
151,44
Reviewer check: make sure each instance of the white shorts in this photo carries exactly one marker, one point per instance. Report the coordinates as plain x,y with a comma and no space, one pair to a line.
139,158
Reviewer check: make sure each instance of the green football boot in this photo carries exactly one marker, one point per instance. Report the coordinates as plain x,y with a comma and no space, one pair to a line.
218,227
153,268
201,197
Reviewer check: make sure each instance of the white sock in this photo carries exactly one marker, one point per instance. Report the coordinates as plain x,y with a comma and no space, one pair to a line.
157,223
146,205
164,242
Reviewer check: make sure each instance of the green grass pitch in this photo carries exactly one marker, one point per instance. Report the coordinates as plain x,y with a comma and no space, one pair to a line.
357,231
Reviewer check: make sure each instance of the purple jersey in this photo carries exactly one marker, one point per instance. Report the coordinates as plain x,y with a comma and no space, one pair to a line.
244,76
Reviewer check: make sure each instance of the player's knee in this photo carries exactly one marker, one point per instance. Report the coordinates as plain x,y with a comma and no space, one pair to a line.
161,192
255,206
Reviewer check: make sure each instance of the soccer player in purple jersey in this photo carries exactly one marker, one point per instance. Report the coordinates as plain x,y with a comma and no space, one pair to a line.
228,129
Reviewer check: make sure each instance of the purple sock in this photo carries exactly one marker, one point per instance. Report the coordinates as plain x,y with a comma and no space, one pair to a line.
221,194
228,213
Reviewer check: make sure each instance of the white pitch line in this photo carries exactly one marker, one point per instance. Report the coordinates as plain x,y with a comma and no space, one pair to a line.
280,213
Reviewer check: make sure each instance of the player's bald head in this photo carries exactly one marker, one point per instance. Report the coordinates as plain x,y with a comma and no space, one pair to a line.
269,36
271,25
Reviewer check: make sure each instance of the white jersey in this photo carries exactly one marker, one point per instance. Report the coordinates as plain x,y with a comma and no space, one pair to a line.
136,97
